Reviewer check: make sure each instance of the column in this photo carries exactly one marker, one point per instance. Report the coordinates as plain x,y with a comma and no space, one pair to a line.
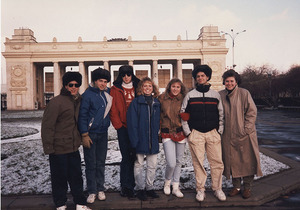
130,63
154,72
57,80
40,86
179,69
107,67
83,72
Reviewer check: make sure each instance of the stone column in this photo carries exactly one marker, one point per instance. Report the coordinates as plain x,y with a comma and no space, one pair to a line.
83,72
106,65
40,86
154,72
179,69
130,63
57,78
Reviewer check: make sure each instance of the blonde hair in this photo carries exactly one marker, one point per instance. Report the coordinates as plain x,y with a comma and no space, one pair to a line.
139,90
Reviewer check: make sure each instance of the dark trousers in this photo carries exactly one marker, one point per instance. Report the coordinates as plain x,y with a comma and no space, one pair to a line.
66,168
247,182
128,158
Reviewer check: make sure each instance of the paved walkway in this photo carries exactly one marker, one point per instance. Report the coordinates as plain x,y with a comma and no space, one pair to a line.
264,190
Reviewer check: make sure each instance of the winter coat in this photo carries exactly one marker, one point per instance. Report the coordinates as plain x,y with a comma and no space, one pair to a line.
239,141
118,109
59,130
94,111
143,126
169,114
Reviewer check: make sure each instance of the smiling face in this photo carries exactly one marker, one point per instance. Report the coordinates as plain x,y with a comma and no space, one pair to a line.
147,88
201,78
230,83
71,86
101,84
175,88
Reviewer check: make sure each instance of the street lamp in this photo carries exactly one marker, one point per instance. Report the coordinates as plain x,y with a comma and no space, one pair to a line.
233,36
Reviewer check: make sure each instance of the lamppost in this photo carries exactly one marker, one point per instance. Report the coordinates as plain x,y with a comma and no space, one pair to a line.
233,36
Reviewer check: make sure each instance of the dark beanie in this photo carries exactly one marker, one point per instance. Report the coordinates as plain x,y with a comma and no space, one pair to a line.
126,69
100,73
72,76
202,68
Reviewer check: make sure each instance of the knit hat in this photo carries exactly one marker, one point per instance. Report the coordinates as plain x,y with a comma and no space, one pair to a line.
72,76
202,68
100,73
125,69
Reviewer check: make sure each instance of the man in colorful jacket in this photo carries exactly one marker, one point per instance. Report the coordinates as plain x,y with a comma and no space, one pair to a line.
61,140
202,121
123,92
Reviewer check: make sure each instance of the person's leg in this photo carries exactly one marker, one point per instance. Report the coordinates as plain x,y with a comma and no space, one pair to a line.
247,182
197,148
59,183
214,157
138,172
236,182
101,152
75,178
90,165
180,148
150,170
128,158
170,154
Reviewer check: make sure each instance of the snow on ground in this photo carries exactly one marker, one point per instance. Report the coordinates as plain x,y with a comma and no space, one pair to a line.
25,168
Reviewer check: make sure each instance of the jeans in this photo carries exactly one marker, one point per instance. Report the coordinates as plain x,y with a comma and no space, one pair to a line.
128,158
209,142
64,169
94,158
174,152
151,162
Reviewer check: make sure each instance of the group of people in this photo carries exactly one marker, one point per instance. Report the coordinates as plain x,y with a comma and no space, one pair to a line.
220,125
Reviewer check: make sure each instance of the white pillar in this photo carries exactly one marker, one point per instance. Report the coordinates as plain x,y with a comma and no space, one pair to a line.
154,73
130,63
57,80
83,72
179,69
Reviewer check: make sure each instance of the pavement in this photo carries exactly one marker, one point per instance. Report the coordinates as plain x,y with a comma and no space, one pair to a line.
264,190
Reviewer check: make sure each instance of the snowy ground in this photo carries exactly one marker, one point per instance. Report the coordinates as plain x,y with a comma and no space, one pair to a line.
25,169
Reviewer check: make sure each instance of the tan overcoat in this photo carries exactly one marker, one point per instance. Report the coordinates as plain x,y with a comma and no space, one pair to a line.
240,149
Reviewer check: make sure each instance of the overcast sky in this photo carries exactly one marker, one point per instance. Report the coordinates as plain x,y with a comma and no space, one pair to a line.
272,36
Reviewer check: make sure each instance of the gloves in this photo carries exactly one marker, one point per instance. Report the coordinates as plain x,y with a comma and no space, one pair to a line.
86,140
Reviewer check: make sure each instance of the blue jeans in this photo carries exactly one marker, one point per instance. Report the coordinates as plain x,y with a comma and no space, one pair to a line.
128,158
94,158
66,168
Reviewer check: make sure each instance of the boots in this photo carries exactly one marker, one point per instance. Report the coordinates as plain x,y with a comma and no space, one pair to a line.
167,187
176,191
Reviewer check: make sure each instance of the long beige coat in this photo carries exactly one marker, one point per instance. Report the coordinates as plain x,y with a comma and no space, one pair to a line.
239,141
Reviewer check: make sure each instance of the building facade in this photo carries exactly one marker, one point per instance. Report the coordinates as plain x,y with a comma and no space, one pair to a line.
26,59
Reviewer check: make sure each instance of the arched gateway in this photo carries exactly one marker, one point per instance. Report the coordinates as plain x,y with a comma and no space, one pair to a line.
26,59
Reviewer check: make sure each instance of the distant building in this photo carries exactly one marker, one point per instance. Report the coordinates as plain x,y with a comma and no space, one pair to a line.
30,87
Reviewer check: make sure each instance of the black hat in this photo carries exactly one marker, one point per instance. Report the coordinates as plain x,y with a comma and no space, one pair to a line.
72,76
202,68
125,69
100,73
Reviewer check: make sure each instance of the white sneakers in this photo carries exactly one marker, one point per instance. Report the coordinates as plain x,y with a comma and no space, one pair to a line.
176,191
82,207
92,197
62,208
101,196
200,195
167,187
220,195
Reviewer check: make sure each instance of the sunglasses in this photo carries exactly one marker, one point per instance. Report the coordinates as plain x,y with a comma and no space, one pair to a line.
72,85
128,74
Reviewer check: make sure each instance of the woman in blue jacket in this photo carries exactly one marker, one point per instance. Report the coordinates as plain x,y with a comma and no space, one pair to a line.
143,118
93,123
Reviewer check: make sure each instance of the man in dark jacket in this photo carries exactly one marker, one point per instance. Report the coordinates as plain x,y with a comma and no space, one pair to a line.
123,92
61,140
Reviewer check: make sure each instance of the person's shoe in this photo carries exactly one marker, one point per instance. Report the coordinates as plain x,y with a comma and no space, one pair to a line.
62,208
220,195
246,193
141,194
234,192
167,187
152,194
130,194
176,191
91,198
82,207
200,195
101,196
124,192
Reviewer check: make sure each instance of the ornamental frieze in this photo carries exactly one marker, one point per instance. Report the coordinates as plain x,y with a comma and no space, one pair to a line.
18,76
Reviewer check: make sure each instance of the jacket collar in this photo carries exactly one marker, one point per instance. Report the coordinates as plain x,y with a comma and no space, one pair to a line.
178,97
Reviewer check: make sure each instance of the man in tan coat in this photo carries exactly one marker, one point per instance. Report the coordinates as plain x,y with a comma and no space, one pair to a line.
239,140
